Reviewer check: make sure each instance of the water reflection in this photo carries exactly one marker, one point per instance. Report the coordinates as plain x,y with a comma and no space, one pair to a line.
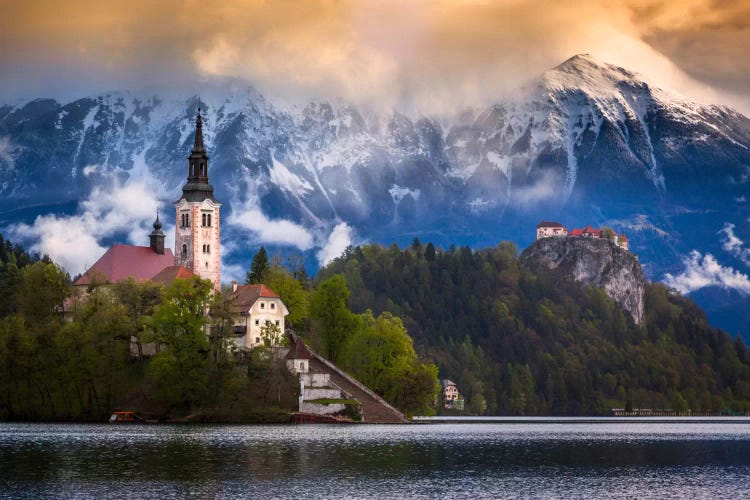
418,461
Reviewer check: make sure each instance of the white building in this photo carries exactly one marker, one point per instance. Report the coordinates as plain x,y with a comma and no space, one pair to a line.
545,229
254,306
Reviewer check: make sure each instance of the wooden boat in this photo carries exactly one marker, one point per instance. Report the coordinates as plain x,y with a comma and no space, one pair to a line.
124,417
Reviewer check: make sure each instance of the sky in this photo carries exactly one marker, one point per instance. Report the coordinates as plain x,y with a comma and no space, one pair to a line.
420,55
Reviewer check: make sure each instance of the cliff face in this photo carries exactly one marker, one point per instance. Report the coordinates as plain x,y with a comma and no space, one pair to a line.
592,262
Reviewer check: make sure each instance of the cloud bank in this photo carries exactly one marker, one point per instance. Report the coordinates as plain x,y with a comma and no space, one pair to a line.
421,55
703,271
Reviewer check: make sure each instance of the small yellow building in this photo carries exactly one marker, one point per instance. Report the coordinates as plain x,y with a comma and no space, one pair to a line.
254,306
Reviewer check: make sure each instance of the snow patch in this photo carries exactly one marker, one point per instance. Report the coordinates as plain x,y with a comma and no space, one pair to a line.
398,193
285,179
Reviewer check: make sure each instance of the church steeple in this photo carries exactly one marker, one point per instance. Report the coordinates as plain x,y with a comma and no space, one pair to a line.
198,188
157,237
198,144
197,215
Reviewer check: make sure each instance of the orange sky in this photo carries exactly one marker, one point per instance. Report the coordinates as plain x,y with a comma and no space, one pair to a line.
432,53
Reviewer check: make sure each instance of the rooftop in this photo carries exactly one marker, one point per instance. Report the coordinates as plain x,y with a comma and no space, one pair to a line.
121,262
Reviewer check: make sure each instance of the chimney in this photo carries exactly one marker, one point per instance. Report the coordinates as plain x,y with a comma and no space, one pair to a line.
234,286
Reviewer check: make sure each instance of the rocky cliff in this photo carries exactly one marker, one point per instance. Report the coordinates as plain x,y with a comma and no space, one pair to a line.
592,262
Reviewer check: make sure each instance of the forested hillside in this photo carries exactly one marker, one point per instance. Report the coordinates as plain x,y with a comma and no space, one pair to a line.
522,343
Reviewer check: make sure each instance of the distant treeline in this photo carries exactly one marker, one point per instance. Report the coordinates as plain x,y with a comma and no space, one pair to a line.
517,343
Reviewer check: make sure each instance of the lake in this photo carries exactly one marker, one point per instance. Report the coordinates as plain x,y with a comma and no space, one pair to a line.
536,459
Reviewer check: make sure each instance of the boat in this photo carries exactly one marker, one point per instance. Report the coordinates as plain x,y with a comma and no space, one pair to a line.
124,417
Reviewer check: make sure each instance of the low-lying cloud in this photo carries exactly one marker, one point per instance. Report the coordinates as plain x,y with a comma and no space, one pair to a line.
733,245
703,271
339,239
113,210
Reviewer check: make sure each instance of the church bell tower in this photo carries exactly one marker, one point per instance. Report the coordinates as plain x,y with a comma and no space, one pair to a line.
197,235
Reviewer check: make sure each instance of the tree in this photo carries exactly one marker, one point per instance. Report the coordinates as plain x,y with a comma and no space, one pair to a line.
292,294
258,268
381,355
180,370
335,322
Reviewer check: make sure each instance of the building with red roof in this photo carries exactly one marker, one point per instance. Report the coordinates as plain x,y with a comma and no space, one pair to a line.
547,229
252,308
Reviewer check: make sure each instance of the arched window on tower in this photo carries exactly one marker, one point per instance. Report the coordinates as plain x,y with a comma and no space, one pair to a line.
184,250
203,169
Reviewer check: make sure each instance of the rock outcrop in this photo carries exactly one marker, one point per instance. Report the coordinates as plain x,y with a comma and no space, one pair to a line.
592,262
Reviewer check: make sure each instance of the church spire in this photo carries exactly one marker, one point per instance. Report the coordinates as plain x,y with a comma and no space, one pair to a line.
157,237
198,187
198,144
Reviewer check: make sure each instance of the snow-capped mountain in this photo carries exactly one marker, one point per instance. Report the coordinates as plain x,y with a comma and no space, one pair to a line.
587,142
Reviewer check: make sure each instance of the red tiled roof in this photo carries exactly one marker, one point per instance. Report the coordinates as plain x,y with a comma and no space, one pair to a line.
576,232
167,275
545,223
125,261
246,295
299,350
623,237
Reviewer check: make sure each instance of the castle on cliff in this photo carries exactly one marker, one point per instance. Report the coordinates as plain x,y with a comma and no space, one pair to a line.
547,229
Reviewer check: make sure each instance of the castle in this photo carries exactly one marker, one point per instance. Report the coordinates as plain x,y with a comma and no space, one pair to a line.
547,229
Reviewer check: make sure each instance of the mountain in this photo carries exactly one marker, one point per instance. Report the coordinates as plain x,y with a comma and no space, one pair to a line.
587,142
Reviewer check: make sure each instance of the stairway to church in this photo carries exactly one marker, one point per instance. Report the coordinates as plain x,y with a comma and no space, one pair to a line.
374,409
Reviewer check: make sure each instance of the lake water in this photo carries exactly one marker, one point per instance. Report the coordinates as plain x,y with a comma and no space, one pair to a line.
495,460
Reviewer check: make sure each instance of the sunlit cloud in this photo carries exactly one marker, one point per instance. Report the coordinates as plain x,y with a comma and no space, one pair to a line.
425,56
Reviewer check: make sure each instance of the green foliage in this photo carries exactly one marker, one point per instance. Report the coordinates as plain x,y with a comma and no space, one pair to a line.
334,322
517,342
292,293
258,268
94,362
180,369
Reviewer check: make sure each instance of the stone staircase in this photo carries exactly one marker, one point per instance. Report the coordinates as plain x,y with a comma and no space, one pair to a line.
375,410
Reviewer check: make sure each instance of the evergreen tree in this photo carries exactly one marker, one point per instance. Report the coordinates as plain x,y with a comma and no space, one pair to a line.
258,268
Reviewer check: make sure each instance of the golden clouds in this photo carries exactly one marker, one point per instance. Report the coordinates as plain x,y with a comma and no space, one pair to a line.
425,54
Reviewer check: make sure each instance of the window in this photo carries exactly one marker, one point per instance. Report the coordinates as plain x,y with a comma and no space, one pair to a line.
257,322
273,305
209,219
206,220
184,250
262,305
257,340
203,220
206,265
277,322
203,169
184,220
206,248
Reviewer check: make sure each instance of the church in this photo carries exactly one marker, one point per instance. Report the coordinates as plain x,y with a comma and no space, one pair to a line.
197,236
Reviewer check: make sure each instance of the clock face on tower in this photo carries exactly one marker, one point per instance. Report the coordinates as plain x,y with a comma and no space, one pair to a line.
197,232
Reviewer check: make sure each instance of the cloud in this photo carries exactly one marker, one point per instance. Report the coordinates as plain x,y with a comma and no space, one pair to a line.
114,209
339,239
431,54
703,271
247,215
734,245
